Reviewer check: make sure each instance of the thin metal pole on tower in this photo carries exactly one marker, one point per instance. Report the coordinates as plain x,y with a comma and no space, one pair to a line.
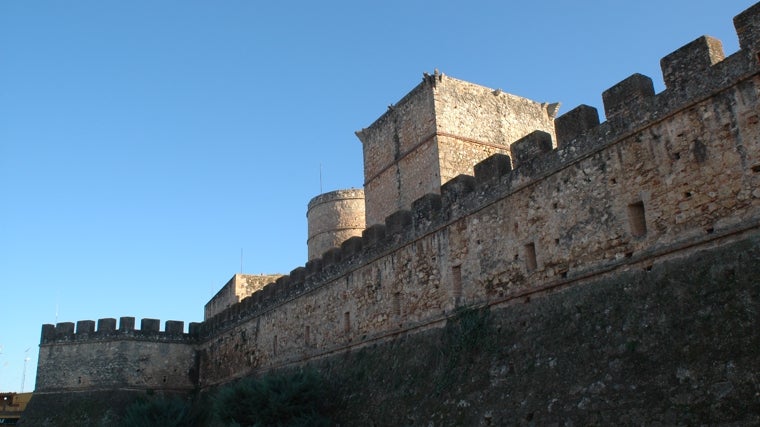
23,375
320,177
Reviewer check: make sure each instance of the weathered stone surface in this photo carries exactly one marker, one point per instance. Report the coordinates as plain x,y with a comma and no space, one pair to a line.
332,219
236,289
619,268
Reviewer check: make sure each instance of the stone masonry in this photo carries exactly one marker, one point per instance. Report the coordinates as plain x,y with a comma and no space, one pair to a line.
332,219
238,288
475,198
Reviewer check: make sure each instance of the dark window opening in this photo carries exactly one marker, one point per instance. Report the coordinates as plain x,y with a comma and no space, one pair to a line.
530,256
637,219
456,282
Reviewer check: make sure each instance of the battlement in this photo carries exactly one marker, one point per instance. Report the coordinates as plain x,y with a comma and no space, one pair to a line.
694,73
86,330
534,204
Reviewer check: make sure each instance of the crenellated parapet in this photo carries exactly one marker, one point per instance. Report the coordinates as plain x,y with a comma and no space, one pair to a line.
693,74
106,329
474,198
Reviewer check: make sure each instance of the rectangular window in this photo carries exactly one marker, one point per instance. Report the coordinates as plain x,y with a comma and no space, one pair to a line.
347,322
396,304
637,219
456,282
530,256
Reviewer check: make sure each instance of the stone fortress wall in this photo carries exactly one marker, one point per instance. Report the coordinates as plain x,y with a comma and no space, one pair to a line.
106,357
565,202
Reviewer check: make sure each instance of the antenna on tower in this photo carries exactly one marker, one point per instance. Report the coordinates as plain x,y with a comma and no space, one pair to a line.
26,361
320,177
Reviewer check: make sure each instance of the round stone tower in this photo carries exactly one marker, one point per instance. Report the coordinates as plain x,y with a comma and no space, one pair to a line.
333,218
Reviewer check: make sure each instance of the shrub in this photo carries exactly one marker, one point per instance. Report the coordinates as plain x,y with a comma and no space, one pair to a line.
297,399
157,412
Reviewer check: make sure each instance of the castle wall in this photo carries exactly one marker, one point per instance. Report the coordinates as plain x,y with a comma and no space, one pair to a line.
237,288
665,175
110,358
333,218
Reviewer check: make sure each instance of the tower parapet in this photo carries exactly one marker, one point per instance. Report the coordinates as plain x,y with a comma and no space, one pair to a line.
87,355
86,330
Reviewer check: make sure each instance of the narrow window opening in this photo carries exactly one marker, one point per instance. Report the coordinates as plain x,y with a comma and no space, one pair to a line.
397,304
456,282
163,379
687,194
307,335
637,219
613,181
79,380
677,155
710,230
530,256
347,322
563,274
274,345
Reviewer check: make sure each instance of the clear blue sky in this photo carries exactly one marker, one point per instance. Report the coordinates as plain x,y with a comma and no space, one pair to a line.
143,144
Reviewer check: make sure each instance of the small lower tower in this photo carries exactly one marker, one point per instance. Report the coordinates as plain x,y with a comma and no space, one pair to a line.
333,218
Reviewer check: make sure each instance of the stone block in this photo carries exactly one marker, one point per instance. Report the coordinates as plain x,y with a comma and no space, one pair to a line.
747,26
176,327
372,235
298,274
575,123
627,96
107,324
457,189
150,325
492,168
689,63
85,326
530,146
398,222
351,247
126,324
426,210
64,329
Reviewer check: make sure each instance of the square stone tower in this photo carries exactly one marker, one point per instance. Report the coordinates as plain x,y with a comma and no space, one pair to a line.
441,129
